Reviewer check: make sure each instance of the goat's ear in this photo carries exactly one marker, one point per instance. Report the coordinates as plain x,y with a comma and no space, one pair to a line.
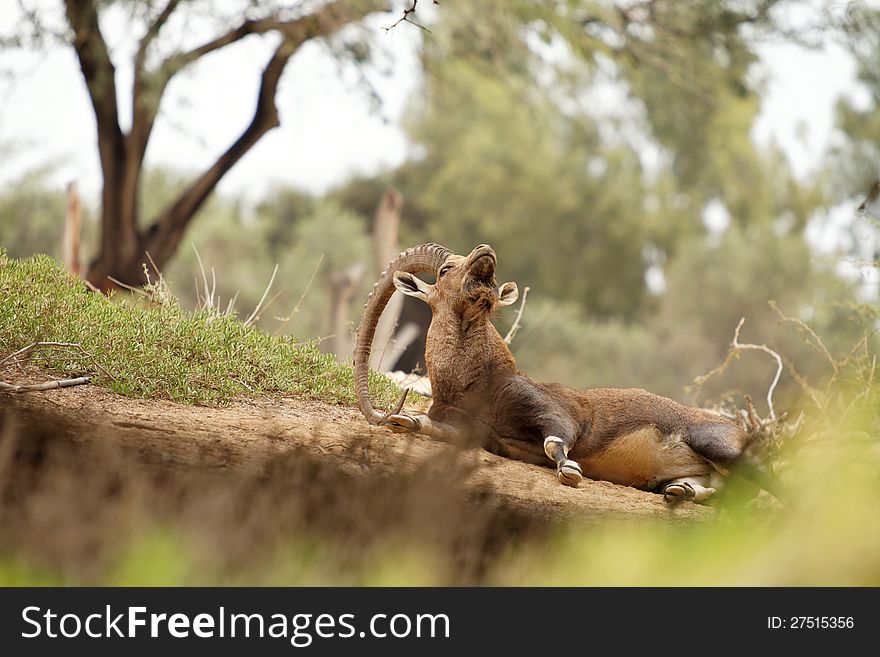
412,286
507,294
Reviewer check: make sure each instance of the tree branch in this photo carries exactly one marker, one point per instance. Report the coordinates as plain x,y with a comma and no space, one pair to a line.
406,18
48,385
324,21
149,87
21,355
94,59
144,110
150,35
164,235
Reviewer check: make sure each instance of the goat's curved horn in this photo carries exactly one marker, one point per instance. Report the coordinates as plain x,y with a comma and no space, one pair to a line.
418,259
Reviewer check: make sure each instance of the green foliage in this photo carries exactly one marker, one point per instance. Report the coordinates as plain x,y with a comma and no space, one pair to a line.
709,287
829,461
826,539
329,240
303,237
160,351
235,256
166,558
560,342
32,217
854,161
565,209
156,558
518,146
17,572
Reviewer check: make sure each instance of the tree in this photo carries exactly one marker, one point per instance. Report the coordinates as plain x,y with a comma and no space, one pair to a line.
856,162
517,146
124,239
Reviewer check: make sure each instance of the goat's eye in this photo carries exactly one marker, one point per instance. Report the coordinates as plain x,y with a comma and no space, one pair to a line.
443,270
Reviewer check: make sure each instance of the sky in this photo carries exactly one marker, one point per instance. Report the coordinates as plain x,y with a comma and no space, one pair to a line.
330,129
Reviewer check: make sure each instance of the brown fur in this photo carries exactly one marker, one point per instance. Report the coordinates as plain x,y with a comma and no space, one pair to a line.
627,436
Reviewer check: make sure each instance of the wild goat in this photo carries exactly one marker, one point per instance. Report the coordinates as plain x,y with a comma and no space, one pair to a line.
626,436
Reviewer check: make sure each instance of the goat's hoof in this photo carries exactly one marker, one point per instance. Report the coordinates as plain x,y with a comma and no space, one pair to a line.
569,473
678,492
402,423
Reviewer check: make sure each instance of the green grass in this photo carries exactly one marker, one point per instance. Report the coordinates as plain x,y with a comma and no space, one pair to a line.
160,351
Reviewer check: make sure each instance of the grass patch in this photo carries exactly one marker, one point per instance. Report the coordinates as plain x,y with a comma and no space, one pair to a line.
161,351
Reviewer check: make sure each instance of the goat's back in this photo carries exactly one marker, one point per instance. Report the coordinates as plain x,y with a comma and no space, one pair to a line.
609,413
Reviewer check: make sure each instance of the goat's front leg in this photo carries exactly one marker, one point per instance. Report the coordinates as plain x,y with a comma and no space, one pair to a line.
567,471
421,423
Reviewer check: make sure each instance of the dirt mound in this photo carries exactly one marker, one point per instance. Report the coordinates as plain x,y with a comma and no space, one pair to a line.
238,437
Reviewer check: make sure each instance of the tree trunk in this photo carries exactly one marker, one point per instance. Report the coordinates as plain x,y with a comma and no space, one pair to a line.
124,250
72,228
121,255
385,246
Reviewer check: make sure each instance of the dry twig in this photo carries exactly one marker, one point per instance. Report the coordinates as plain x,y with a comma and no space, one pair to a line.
284,320
815,341
254,316
48,385
206,302
513,329
20,356
737,347
407,13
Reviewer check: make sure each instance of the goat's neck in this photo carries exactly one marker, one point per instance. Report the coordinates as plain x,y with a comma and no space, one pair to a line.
465,358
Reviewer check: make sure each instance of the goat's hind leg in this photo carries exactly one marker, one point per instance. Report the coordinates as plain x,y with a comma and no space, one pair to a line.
695,488
567,471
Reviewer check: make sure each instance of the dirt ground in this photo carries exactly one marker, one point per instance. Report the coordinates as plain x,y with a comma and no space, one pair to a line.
169,435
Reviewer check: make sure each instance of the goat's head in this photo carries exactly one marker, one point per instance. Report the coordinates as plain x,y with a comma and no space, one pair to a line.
465,285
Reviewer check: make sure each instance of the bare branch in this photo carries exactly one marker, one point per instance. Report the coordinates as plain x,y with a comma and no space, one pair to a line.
407,18
144,111
816,340
149,37
284,320
804,385
515,328
736,347
322,22
94,58
48,385
165,234
17,356
20,356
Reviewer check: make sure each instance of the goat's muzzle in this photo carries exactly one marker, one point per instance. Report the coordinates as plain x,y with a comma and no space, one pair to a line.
482,261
